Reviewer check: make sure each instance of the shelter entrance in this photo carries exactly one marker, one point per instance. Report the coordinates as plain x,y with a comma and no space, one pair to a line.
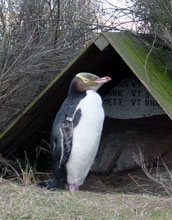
135,126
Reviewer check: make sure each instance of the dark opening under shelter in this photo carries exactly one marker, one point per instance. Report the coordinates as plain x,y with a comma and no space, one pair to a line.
137,102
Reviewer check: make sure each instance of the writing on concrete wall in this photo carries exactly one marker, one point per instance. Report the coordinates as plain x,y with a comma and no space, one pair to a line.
130,99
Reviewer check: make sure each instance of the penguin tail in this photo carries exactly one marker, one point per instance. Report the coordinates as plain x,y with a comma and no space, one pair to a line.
49,184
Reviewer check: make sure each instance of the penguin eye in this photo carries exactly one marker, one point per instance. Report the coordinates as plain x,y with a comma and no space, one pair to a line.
86,80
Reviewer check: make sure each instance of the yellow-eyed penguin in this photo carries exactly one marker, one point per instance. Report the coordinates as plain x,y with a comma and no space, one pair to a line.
76,132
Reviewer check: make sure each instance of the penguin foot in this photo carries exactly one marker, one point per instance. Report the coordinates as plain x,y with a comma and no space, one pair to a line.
73,188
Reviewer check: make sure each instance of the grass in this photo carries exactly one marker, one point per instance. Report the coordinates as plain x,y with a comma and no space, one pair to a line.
30,202
129,196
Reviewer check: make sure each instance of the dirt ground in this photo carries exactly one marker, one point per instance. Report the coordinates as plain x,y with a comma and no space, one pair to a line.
128,182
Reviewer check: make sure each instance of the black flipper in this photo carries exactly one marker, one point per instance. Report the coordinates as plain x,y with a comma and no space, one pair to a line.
67,133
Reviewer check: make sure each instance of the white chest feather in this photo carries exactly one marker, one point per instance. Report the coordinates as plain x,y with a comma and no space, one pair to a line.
86,138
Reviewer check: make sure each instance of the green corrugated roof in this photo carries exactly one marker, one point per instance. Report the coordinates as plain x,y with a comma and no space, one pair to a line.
150,63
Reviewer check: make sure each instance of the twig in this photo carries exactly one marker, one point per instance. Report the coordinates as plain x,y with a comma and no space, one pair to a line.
15,61
147,57
132,178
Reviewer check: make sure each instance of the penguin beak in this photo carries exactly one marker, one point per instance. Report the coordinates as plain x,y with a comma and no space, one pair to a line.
103,80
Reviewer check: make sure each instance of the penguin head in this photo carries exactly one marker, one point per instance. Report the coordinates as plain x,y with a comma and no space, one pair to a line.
88,81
